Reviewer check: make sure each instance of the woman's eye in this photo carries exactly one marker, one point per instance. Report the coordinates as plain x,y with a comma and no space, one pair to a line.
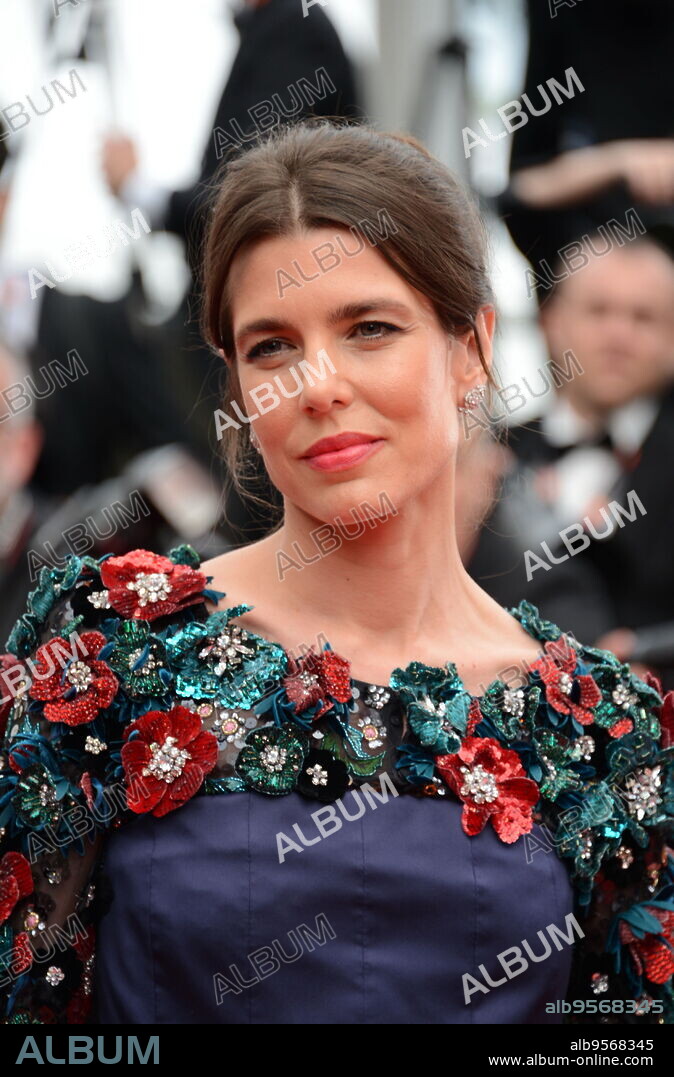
376,330
265,349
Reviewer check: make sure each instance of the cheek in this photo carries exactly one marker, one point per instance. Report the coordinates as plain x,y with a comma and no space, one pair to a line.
419,387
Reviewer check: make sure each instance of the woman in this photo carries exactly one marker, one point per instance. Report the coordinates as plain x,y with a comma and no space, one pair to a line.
346,289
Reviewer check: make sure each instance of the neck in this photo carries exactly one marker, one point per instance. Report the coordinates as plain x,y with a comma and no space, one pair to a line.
400,577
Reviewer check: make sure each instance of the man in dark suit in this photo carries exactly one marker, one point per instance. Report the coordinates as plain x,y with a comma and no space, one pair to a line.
608,434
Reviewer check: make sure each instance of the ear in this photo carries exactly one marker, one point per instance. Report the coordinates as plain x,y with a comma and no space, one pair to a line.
467,366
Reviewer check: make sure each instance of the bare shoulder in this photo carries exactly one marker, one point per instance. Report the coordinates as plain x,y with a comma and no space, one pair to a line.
240,573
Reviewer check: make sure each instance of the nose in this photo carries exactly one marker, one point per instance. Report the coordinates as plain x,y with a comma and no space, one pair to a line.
324,382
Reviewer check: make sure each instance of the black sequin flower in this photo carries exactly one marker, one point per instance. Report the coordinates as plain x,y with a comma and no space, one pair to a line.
323,777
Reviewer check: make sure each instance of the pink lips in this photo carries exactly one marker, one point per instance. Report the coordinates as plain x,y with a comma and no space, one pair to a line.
342,451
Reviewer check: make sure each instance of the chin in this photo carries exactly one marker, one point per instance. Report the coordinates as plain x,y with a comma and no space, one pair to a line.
617,399
353,504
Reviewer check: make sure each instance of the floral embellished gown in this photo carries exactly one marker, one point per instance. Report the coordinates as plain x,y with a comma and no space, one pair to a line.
197,827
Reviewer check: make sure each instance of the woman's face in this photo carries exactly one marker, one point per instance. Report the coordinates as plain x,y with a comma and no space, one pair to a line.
364,354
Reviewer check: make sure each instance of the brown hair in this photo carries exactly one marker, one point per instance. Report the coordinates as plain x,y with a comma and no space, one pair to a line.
322,173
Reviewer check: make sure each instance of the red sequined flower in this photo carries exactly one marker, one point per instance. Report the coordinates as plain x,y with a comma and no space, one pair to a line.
145,585
621,727
651,955
77,688
474,717
22,955
16,882
557,671
316,677
491,782
166,756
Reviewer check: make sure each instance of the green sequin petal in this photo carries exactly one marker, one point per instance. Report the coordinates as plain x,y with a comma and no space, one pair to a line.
271,760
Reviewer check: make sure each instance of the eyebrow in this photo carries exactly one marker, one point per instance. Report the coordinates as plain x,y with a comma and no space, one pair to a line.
346,311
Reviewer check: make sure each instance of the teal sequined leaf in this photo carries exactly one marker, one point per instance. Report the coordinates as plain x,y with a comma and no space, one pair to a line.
232,784
555,753
437,704
139,660
418,679
510,710
625,695
433,730
419,764
217,659
271,759
359,768
599,657
185,555
528,616
6,944
52,584
36,800
245,688
69,627
627,753
353,737
591,830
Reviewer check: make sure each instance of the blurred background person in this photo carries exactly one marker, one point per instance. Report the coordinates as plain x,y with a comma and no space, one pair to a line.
609,148
492,539
608,429
22,511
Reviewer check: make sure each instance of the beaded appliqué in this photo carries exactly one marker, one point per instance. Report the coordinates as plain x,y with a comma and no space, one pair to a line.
167,761
150,587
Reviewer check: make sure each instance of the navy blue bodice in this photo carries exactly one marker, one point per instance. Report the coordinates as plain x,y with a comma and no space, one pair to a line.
399,904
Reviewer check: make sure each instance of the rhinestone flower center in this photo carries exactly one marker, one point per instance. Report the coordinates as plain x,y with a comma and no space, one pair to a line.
641,792
167,762
377,697
47,796
318,775
148,664
479,784
565,683
599,982
150,587
582,748
229,648
79,675
309,680
273,758
623,697
513,702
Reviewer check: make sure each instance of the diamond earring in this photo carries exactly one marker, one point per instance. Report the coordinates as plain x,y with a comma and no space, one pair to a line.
254,441
473,398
